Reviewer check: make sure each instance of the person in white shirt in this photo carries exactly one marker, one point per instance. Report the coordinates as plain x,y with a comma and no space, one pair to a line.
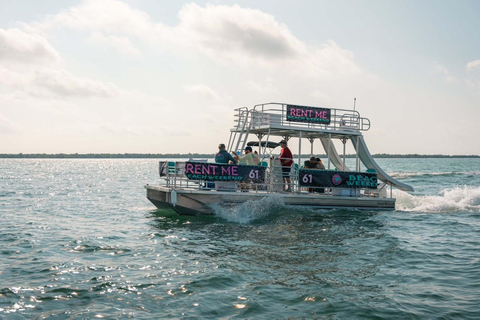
248,158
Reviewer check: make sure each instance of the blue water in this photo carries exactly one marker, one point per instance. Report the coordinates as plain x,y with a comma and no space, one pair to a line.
79,240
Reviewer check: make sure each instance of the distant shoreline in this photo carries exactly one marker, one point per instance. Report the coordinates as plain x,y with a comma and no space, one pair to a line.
191,155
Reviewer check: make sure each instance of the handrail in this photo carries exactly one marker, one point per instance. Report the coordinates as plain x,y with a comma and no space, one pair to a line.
173,174
274,114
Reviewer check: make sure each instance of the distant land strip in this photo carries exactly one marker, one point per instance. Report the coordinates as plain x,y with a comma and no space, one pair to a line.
191,155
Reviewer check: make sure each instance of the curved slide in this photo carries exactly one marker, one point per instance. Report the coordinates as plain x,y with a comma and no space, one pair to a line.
333,155
370,163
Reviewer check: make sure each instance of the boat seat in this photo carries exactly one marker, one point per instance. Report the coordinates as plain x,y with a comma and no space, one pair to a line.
171,167
294,172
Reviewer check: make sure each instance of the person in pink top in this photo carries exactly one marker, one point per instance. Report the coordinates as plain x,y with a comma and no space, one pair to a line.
286,159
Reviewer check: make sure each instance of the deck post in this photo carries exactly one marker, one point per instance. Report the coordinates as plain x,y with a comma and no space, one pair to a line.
357,165
299,155
328,151
299,147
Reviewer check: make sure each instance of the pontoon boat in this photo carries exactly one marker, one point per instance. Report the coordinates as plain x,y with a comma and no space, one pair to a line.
197,186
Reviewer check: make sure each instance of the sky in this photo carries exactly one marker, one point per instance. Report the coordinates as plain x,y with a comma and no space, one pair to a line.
148,76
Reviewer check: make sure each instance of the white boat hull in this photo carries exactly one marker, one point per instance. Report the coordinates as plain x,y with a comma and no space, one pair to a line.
195,202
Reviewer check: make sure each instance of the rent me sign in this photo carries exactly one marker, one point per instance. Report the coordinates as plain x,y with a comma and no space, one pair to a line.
308,114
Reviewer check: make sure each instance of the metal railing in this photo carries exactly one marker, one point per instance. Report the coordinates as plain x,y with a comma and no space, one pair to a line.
173,174
275,114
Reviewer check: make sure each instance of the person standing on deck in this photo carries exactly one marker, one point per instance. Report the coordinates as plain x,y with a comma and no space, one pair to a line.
286,159
223,156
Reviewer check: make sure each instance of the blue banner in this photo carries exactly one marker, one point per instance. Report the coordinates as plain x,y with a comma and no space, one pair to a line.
337,179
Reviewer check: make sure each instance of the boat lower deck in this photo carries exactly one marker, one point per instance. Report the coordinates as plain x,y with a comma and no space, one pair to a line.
194,201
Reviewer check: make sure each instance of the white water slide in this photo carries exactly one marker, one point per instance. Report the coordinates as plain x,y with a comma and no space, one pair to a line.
370,163
333,155
366,159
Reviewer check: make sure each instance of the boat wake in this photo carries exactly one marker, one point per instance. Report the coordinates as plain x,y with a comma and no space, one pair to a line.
250,210
466,198
406,175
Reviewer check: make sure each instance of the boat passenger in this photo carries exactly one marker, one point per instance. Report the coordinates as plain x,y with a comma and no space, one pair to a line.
311,163
286,159
223,156
247,158
234,155
256,159
320,164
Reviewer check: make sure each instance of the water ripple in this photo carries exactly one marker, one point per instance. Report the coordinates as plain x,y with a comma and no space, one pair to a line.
78,240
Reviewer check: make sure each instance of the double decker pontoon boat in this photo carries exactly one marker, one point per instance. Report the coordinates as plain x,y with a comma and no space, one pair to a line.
196,186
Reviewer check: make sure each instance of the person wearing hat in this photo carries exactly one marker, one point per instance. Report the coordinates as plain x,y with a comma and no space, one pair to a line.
286,159
223,156
248,158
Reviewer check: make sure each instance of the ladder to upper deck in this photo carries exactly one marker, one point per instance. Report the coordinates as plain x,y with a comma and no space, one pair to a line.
239,136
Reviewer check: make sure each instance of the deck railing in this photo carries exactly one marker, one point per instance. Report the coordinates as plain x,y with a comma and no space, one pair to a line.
275,114
173,174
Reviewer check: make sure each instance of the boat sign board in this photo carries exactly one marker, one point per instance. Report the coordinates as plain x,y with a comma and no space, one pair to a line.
338,179
224,172
308,114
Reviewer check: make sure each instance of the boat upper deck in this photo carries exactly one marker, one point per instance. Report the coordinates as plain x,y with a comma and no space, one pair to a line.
279,119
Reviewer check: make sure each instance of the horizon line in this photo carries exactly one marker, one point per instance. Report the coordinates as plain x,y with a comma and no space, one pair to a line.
186,155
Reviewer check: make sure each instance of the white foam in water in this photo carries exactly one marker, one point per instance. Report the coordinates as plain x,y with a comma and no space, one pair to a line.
249,210
456,199
405,175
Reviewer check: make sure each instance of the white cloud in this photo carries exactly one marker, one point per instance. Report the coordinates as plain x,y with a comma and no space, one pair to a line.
48,83
26,48
107,16
12,78
120,44
320,95
475,85
473,81
238,33
32,67
250,37
444,72
64,83
266,86
224,34
249,56
203,91
7,126
473,66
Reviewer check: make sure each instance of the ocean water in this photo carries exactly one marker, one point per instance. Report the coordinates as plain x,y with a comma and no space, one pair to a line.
79,240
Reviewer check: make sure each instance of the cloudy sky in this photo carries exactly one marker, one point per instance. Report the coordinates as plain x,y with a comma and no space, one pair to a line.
147,76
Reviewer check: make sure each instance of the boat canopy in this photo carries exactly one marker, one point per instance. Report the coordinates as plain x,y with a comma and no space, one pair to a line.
268,144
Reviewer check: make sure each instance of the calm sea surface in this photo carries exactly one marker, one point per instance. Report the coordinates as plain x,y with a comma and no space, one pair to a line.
79,240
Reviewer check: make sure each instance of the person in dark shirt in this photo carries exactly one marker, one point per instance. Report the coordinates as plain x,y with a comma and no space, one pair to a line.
223,156
311,164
